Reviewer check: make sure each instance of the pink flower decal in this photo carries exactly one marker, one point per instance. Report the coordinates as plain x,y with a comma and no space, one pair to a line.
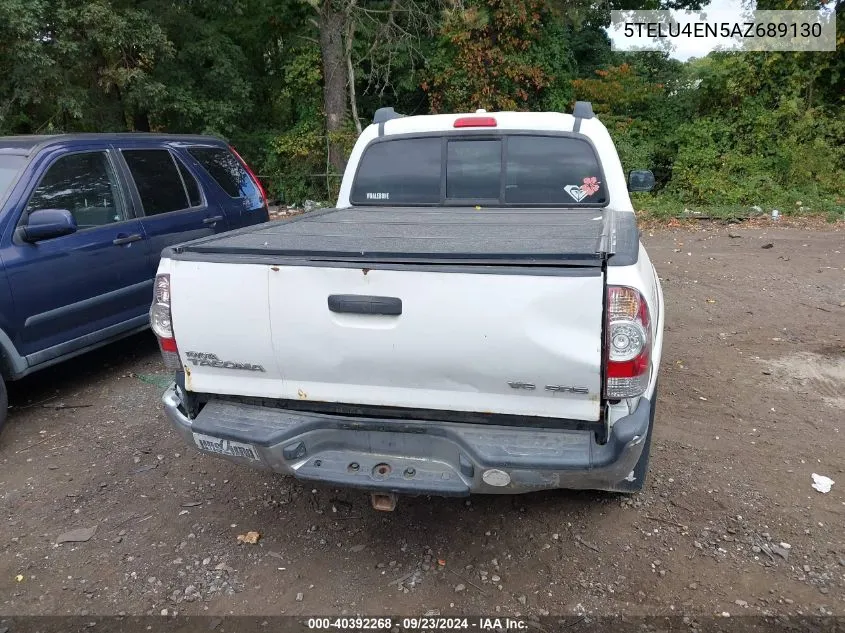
590,186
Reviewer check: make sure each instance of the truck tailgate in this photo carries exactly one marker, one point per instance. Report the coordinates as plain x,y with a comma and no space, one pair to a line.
455,311
524,344
459,341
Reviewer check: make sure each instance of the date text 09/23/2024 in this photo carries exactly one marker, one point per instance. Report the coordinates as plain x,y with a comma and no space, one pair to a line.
422,623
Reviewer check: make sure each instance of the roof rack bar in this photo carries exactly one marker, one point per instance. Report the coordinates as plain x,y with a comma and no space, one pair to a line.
386,114
582,110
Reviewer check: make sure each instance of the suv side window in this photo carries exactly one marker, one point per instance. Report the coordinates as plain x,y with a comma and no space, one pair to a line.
191,185
158,180
86,185
227,171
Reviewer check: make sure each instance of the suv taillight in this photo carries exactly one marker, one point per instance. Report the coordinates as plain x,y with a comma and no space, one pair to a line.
161,323
628,346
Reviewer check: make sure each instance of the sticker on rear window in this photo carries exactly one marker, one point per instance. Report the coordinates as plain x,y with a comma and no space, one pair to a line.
378,196
587,188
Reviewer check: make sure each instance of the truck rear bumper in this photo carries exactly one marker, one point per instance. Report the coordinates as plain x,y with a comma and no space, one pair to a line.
413,456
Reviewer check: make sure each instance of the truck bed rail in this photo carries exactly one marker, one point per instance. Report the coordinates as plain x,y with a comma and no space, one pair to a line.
465,236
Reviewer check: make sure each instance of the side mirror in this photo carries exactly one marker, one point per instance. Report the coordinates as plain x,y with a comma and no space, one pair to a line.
640,180
45,224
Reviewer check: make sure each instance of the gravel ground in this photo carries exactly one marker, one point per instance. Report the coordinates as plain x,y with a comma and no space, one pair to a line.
751,405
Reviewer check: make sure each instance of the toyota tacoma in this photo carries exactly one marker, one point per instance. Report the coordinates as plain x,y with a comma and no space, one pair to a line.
476,315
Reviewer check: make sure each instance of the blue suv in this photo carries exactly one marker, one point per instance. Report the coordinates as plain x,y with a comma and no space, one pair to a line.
83,220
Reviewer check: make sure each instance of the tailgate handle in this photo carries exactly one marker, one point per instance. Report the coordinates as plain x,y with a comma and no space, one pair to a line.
365,304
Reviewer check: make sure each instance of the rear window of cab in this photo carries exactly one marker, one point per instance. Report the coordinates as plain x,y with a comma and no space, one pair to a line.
508,170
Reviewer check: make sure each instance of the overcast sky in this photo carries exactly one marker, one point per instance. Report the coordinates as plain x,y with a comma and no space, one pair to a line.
692,47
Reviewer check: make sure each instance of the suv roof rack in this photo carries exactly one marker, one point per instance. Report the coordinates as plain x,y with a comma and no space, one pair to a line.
386,114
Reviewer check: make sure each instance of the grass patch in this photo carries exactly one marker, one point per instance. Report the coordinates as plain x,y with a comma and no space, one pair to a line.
665,207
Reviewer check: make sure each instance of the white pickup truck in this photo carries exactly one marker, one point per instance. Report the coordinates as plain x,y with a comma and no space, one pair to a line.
477,315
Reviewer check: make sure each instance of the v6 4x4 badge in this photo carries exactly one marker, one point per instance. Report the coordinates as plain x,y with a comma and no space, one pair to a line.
203,359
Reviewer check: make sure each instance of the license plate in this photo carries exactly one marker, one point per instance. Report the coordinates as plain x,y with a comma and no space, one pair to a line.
225,447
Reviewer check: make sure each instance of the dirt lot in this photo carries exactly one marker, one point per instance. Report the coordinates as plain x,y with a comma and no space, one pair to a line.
751,404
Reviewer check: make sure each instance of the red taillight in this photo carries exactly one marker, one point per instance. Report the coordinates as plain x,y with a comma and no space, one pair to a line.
251,175
628,345
475,121
161,323
628,368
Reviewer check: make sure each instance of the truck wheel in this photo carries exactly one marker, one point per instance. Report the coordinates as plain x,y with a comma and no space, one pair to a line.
4,403
641,469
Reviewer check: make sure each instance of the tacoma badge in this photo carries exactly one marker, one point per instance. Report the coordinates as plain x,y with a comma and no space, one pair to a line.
203,359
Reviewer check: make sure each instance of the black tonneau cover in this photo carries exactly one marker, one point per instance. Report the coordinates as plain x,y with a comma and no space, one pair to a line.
441,235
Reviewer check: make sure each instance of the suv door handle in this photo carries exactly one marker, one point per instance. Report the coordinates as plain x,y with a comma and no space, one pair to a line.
128,239
213,219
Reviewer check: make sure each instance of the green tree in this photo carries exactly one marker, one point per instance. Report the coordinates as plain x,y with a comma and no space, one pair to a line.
490,55
75,65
